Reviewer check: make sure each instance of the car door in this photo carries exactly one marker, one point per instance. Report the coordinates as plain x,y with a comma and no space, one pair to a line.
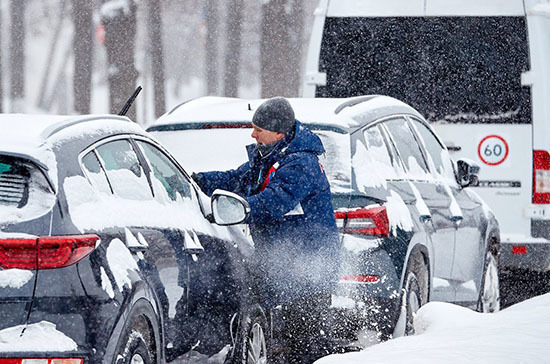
379,173
467,212
433,204
204,285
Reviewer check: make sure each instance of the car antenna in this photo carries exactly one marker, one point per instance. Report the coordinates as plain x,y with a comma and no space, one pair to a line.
249,108
129,102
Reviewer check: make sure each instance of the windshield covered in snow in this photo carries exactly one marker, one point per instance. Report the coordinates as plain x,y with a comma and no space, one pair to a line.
451,69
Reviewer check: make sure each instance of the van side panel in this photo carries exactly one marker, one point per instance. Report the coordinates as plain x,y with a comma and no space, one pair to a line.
539,47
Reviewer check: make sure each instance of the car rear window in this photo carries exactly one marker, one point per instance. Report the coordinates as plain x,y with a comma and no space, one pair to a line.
24,190
451,69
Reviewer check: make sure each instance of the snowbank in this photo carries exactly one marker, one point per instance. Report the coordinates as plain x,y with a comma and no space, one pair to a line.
448,333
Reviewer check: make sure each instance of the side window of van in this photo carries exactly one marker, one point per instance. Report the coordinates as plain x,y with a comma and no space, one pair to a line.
124,170
438,155
408,148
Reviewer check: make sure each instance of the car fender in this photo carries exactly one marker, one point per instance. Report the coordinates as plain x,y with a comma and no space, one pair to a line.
418,248
141,302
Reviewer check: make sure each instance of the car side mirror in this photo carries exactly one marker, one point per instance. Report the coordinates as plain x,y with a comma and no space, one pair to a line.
228,208
467,172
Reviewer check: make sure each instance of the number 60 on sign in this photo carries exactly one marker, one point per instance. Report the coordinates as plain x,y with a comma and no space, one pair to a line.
492,150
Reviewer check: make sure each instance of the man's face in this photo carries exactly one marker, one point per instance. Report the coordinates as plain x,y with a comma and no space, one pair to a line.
264,136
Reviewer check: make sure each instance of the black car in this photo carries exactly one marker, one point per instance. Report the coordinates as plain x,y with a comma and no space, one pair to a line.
108,253
411,229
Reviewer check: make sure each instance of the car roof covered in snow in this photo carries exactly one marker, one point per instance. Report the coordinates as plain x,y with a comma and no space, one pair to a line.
345,114
33,136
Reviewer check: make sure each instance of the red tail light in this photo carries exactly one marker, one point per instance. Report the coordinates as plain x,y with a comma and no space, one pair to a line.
541,177
370,221
45,252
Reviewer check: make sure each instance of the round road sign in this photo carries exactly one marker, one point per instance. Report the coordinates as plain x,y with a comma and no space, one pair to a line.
493,150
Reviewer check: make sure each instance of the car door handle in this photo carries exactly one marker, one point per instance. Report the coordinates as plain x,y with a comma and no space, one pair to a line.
457,219
135,243
192,244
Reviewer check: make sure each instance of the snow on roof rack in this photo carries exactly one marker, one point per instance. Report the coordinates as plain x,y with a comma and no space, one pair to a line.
54,128
354,101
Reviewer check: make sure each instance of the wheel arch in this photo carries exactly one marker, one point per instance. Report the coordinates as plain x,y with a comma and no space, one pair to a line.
139,312
418,255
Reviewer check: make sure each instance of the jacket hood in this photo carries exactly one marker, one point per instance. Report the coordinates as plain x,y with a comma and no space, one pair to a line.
304,141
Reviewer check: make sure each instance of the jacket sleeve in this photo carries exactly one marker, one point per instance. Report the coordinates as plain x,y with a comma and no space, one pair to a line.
292,183
225,180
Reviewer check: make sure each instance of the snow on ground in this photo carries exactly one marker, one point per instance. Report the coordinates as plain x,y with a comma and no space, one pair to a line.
448,333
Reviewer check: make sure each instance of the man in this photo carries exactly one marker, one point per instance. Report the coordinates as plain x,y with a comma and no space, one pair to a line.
291,222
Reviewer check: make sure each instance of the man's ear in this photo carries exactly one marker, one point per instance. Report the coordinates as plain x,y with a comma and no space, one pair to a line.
280,136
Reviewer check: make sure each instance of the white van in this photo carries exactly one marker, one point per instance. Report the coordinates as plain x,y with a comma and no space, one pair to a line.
479,71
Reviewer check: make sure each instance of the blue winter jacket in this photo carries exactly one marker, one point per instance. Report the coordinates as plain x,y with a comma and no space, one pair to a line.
291,216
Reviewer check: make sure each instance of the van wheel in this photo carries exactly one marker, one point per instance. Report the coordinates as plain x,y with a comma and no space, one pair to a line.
415,295
252,339
489,294
135,346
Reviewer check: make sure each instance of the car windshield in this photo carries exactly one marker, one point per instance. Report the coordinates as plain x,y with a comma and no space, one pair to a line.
451,69
213,149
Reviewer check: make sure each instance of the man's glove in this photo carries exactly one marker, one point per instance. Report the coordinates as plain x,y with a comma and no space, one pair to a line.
195,177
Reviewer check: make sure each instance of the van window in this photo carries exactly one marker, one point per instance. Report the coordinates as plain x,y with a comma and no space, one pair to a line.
451,69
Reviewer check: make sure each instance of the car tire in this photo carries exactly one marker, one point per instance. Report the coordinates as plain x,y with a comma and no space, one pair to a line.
414,295
135,347
252,339
489,294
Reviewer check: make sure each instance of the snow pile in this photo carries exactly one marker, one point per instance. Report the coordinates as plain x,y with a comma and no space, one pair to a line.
448,333
15,278
39,337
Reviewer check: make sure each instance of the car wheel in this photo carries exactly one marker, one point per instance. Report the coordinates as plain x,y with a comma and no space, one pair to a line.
251,343
415,294
135,346
489,295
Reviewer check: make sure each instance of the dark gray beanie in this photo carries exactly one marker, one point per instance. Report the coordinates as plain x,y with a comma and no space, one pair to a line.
275,114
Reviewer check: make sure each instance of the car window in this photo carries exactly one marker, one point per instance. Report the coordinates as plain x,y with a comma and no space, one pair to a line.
95,173
168,182
408,148
372,162
438,155
124,171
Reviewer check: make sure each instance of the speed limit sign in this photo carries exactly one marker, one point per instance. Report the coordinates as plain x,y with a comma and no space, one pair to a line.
492,150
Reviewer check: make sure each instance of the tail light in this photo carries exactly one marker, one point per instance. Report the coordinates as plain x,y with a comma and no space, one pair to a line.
45,252
541,177
370,221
